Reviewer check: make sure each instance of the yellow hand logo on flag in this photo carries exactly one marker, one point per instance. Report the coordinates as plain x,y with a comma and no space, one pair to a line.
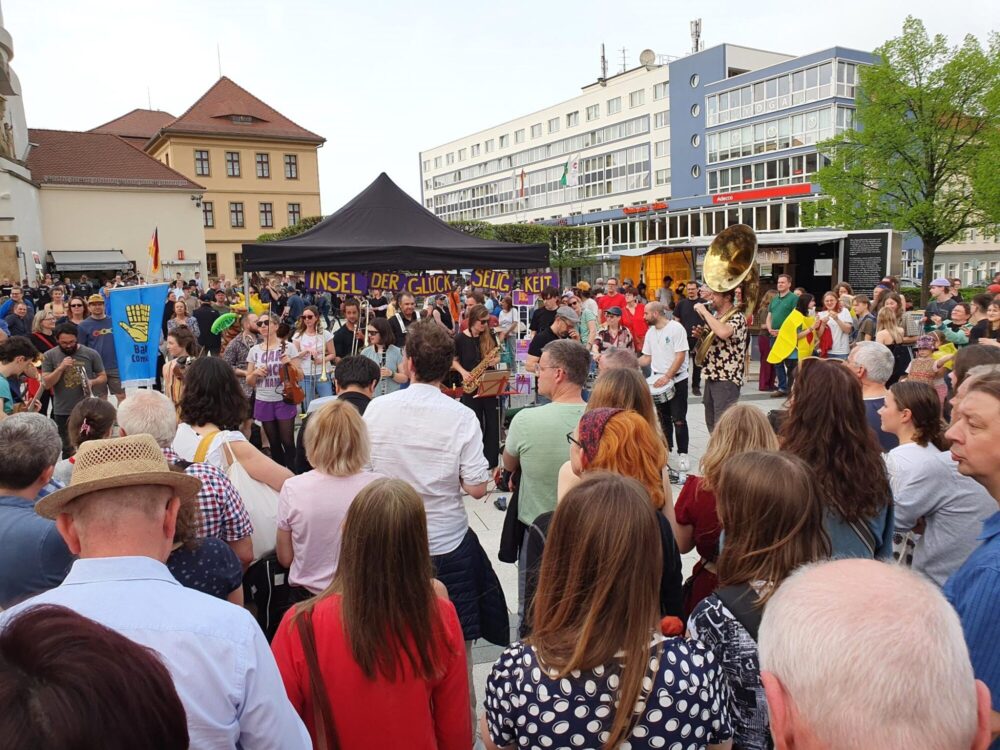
137,326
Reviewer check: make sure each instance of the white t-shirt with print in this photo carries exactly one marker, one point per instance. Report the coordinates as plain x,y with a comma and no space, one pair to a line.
269,388
662,345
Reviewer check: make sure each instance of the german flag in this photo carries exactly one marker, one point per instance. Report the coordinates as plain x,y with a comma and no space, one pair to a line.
154,252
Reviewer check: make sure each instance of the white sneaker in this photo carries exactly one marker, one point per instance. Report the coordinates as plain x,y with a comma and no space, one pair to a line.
685,465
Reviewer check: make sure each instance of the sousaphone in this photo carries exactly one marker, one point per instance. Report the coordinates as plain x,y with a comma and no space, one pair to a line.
731,263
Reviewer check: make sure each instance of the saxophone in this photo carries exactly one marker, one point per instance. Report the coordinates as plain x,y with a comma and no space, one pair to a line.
471,384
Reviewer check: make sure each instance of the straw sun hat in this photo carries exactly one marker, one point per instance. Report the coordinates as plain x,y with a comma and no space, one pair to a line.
131,461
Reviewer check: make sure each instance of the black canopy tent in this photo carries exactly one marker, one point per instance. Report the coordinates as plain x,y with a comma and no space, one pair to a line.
384,229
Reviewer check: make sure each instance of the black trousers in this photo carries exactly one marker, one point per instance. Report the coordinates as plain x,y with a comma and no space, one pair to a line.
488,412
694,371
673,417
62,420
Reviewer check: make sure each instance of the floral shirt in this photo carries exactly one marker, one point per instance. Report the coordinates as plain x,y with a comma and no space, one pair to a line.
725,360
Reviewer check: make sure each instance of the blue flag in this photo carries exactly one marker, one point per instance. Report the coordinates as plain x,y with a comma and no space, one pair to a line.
137,315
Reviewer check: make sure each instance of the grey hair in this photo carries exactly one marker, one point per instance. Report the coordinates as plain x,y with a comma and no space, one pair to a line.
572,357
875,358
619,358
29,444
149,413
844,633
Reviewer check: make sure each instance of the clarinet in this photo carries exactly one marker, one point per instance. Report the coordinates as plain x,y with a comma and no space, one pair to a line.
383,386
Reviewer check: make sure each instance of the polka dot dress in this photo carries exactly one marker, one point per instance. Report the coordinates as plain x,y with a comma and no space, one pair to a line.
683,705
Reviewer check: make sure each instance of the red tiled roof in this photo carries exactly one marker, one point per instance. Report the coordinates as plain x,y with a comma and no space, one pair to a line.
214,113
139,123
64,157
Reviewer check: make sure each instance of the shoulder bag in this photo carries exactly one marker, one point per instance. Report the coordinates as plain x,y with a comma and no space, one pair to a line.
261,502
741,601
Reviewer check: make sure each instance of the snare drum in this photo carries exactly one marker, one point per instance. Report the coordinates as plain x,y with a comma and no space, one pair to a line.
662,394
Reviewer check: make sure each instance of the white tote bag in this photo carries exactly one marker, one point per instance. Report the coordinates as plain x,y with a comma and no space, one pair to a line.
261,502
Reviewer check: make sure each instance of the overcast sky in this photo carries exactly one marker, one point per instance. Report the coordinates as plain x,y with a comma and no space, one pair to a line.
382,80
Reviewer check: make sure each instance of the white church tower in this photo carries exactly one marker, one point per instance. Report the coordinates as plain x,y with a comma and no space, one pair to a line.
20,221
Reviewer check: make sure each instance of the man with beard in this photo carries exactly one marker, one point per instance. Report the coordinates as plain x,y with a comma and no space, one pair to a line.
72,371
404,317
345,341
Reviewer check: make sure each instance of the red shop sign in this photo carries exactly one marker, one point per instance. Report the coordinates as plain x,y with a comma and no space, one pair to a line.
753,195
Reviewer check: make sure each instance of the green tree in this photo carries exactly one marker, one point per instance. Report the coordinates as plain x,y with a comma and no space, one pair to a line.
569,247
926,157
303,224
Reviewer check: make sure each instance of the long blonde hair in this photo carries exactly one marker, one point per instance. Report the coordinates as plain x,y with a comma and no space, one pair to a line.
741,428
887,320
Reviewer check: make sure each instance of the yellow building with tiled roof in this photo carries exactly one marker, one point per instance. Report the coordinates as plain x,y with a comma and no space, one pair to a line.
260,170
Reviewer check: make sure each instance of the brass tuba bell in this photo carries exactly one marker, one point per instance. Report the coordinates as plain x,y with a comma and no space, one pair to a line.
729,263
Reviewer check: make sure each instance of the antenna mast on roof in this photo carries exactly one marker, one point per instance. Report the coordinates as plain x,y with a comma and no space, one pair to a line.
149,99
624,59
218,55
604,64
696,43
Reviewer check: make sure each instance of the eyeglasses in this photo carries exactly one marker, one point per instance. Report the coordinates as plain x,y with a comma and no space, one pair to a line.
572,440
263,322
76,304
308,317
372,332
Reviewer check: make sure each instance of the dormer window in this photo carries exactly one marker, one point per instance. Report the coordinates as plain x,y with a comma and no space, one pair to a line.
242,119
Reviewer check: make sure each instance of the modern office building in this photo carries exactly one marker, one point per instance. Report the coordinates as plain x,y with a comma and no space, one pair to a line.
669,154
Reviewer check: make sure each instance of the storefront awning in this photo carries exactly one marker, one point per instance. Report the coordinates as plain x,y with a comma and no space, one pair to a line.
88,260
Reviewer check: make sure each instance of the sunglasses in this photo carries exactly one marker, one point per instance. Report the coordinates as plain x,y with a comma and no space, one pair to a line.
308,317
263,322
76,304
372,333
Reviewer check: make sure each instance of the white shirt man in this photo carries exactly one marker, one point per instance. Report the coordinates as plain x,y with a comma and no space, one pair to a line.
665,351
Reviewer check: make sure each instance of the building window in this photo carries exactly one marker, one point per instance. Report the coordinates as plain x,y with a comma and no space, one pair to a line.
267,215
212,264
449,158
614,105
475,149
238,263
661,120
696,140
504,140
572,119
519,136
236,215
695,109
554,125
263,166
694,81
462,152
695,171
208,212
637,98
294,213
201,167
292,166
661,90
437,162
593,112
490,145
662,176
536,130
232,164
662,148
427,164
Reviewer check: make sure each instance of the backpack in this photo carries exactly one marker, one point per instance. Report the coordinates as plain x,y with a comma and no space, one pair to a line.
266,585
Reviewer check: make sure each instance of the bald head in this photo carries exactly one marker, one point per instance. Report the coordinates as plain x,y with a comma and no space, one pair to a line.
880,646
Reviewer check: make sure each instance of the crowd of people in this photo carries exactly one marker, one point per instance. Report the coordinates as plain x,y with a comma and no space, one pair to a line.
217,563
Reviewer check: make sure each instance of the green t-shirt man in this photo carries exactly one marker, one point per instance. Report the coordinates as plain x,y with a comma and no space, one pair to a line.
537,437
780,308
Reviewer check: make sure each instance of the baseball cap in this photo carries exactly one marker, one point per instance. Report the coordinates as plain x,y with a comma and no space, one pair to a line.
583,286
95,298
941,282
614,310
568,313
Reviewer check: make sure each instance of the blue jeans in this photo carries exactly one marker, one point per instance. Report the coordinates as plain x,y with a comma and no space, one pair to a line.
781,372
315,389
